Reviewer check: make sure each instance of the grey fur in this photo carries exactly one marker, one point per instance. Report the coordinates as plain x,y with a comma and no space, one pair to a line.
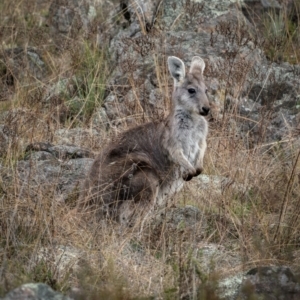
149,163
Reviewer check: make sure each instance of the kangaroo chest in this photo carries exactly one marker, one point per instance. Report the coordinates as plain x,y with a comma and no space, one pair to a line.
190,134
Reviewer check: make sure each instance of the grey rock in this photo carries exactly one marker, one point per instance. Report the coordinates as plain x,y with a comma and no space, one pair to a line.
135,62
40,155
64,259
69,19
59,151
24,65
172,223
70,151
99,119
34,291
270,283
180,217
217,185
55,95
269,104
139,14
64,87
68,16
16,123
84,138
59,169
228,287
264,3
214,258
193,14
238,75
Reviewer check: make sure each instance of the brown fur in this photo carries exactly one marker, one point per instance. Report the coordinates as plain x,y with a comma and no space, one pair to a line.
131,168
148,162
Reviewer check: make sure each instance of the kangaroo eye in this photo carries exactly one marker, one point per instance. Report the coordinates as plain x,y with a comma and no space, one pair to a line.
192,91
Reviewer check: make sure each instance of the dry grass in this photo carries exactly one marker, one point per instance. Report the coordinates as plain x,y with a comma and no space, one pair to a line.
280,28
254,217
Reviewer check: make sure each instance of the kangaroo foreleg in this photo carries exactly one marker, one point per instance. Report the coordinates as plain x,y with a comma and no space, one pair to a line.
199,164
188,170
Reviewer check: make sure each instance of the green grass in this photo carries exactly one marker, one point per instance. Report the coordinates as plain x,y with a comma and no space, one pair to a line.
91,66
281,34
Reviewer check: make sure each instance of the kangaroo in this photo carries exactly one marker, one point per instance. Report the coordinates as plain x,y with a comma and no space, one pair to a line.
149,163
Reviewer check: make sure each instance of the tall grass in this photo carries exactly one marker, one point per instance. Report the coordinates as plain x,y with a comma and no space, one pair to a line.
252,218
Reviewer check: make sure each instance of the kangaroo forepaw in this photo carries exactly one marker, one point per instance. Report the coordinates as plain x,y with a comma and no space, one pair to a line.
187,177
199,171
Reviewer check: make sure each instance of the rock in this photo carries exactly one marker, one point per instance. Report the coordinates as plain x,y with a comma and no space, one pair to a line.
134,256
257,10
65,260
59,169
59,151
217,185
65,99
23,64
35,291
228,287
69,16
270,283
173,224
133,10
144,16
214,261
272,107
263,3
55,95
84,138
215,258
100,119
97,21
136,89
19,65
239,77
64,87
16,123
180,217
40,155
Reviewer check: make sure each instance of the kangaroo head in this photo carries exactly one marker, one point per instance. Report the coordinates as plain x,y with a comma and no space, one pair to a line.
189,89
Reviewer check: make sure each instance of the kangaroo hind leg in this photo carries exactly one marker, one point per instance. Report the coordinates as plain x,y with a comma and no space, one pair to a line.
143,189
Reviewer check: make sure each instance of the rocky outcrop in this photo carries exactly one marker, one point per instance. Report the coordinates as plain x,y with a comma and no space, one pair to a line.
19,66
262,96
72,18
269,283
34,291
48,168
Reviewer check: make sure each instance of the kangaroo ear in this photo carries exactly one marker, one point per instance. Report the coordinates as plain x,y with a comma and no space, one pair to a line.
176,68
198,65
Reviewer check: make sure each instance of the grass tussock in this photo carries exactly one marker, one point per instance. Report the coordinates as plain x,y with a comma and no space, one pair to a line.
280,31
252,220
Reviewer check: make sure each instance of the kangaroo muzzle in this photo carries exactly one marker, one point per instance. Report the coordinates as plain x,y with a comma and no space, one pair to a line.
204,111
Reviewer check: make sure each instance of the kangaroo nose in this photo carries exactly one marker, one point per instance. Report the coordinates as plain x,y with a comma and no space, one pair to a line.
205,111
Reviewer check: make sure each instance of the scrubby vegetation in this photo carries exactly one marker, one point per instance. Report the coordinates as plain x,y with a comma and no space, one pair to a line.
61,84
